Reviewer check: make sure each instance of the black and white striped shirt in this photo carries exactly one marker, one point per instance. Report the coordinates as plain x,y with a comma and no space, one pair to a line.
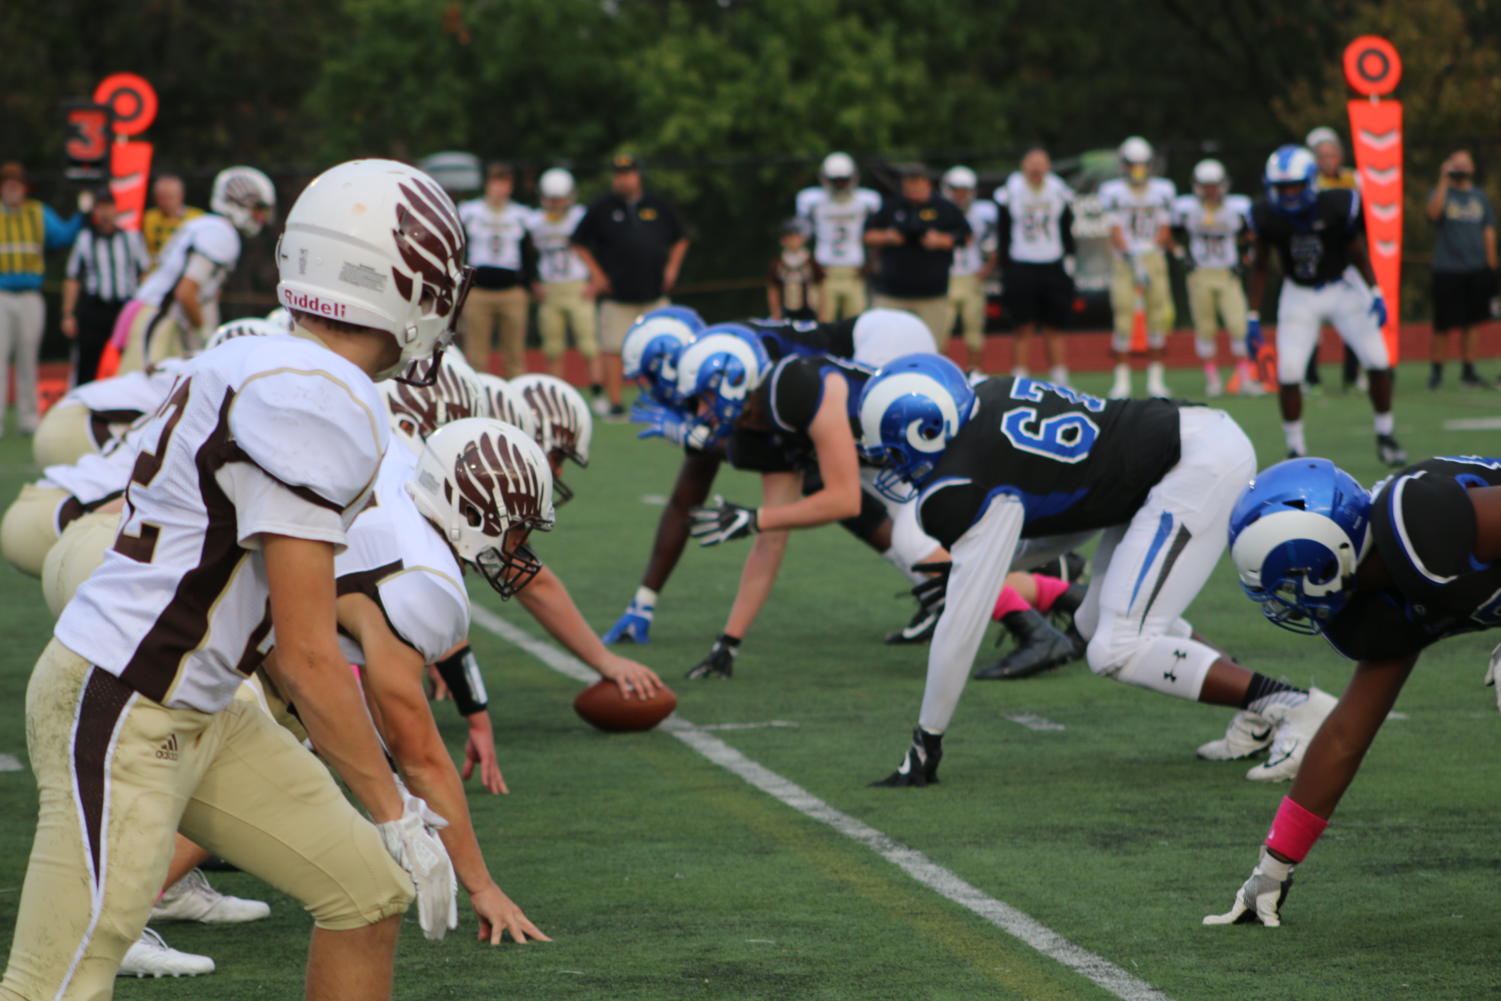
110,267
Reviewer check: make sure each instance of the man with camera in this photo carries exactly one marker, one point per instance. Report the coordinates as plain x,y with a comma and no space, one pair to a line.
1464,266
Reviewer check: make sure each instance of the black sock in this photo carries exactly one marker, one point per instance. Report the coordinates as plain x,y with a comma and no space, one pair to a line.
1261,687
1437,368
596,388
1468,371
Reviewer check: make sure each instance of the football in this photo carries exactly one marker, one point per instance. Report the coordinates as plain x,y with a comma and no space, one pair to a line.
602,706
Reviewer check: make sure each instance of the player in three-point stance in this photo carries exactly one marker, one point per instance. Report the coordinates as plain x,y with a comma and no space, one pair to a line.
1013,459
1382,575
1319,239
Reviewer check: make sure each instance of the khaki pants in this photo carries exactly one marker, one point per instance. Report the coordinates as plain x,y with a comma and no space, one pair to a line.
842,294
967,302
118,773
1159,301
617,318
154,335
1215,298
564,307
76,555
64,436
22,316
29,529
491,314
934,312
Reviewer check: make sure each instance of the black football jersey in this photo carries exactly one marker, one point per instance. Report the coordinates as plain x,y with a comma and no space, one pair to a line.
1423,527
1077,463
785,338
1314,248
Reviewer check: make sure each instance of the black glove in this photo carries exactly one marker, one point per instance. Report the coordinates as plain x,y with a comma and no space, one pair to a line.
721,522
920,765
721,660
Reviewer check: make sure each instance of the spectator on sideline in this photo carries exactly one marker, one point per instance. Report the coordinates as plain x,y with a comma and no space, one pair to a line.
1329,154
916,234
1464,265
104,269
170,211
835,210
973,262
564,300
1035,231
795,282
633,242
27,228
500,254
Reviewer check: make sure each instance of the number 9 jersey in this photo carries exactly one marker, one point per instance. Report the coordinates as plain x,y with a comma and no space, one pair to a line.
1075,462
261,435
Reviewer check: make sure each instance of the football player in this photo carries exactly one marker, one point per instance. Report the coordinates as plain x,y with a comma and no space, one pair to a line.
1139,208
1035,234
973,261
1212,225
1319,240
563,278
836,209
1012,459
1382,575
228,538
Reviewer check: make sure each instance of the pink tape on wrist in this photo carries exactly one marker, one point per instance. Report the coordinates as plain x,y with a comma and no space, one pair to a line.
1294,830
1008,602
1048,590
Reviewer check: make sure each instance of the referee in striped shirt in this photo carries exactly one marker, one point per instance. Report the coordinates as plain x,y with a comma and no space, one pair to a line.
103,271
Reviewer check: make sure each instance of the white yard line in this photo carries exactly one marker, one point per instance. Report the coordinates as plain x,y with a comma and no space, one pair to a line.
1032,721
11,763
914,863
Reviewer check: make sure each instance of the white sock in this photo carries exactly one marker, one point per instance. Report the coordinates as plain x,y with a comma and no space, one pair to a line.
1122,372
1154,371
1385,423
1060,375
1019,372
1293,432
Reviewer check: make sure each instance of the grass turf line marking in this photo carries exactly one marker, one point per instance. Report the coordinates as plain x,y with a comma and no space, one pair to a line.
771,723
1473,424
11,763
1032,721
946,883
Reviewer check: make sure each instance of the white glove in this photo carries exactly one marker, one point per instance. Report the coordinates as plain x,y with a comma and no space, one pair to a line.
413,842
1259,897
1493,671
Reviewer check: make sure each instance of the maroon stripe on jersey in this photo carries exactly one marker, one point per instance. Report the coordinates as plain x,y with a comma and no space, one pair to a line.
181,626
104,699
367,583
101,421
251,657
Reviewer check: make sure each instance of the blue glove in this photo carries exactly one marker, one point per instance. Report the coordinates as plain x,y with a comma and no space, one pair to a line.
1254,341
661,422
635,624
1378,307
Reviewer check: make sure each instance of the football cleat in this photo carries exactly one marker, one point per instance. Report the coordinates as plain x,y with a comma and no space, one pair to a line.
193,899
149,956
930,594
920,764
1039,647
1389,452
1294,730
1248,733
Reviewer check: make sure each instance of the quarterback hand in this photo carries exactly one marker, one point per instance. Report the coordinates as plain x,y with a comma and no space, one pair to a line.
920,764
721,660
413,842
1254,339
1378,307
1260,898
634,680
634,625
661,422
721,522
498,914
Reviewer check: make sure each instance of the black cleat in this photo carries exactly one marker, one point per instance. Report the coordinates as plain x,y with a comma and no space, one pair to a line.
1039,647
930,594
1389,452
920,764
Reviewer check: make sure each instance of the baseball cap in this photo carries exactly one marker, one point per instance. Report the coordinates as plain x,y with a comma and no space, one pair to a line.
912,168
623,162
1322,134
12,171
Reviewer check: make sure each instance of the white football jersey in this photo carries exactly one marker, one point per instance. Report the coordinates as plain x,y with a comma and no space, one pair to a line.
101,476
261,435
969,257
116,402
206,248
838,224
1212,233
494,237
1036,235
1139,212
557,261
400,561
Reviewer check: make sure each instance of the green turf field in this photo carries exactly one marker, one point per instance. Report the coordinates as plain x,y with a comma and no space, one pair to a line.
661,875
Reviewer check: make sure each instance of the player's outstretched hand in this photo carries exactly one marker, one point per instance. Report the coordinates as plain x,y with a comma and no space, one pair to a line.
498,914
635,681
920,764
721,521
1259,898
661,422
1378,307
720,663
634,625
414,843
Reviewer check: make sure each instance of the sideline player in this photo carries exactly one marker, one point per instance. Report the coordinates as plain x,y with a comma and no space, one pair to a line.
1214,224
1035,234
1139,208
974,260
1382,575
224,524
836,209
562,289
1014,458
1319,240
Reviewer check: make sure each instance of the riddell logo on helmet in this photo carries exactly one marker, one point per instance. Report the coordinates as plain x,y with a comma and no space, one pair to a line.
312,304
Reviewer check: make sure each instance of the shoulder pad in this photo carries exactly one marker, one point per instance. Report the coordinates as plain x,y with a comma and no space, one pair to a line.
428,609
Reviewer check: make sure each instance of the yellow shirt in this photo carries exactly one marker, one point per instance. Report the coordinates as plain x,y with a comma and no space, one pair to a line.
157,229
23,232
1346,180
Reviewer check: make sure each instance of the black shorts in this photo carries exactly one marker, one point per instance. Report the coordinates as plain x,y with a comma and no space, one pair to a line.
1038,293
1462,299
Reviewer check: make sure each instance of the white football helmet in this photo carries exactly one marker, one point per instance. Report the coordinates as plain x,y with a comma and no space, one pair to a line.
837,171
1321,135
417,411
504,403
250,326
281,318
378,244
239,194
555,182
1136,150
564,424
477,480
1209,172
959,179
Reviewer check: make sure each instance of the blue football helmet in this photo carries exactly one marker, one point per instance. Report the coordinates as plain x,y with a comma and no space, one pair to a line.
652,347
1291,165
716,375
1297,534
909,412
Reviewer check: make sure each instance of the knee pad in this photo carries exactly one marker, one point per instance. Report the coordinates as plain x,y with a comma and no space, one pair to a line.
1172,665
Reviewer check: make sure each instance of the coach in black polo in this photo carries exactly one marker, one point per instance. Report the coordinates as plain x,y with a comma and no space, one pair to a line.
633,242
915,235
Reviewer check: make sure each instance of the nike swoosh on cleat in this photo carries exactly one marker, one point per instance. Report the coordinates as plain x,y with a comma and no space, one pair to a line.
1263,735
